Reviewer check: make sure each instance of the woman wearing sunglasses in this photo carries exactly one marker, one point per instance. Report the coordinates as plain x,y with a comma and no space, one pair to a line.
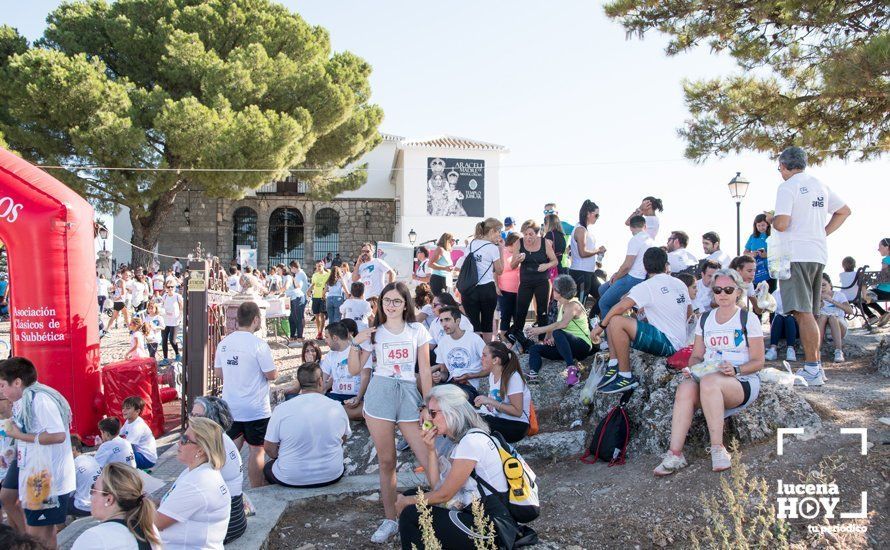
195,512
719,337
127,515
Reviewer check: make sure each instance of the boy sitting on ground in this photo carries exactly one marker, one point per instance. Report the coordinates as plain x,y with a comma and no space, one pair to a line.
86,471
114,448
137,432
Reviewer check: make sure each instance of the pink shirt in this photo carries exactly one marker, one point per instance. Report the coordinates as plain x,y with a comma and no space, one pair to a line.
509,278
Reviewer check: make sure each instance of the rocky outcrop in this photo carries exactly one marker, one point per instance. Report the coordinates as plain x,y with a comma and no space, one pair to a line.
882,357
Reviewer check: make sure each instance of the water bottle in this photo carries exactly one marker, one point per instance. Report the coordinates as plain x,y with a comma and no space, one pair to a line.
599,257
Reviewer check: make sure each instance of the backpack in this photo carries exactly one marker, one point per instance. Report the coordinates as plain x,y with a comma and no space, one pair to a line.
743,320
521,498
609,442
469,276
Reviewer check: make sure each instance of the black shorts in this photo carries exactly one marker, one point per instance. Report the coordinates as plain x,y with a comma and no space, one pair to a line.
254,431
318,306
119,306
49,516
272,480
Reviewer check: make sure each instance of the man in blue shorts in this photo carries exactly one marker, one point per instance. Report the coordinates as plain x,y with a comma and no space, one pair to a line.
667,305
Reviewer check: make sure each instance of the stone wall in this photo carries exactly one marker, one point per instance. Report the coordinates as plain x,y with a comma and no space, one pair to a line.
212,226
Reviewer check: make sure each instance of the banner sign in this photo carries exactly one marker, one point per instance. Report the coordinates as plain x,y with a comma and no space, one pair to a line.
455,187
399,256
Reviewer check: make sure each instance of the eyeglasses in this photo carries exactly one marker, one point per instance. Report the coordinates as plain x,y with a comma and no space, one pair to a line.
433,412
727,289
93,490
393,302
184,440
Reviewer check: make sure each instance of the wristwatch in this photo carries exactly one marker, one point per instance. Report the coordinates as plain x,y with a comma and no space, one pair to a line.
601,325
737,369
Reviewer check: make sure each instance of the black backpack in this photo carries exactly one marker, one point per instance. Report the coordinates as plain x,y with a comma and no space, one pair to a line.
469,276
609,442
743,320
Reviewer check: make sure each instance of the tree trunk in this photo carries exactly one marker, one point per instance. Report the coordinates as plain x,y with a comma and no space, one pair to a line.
147,229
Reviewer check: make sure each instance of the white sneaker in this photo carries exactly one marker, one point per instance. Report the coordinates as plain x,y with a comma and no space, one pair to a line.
771,354
811,379
720,458
387,529
604,345
790,355
839,356
670,464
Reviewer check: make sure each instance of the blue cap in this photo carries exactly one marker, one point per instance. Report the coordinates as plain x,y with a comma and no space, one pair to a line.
508,221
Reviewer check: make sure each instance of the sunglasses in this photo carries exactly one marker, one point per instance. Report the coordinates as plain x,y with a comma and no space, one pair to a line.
184,440
727,289
433,412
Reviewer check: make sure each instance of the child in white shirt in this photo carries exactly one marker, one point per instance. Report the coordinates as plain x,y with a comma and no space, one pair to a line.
137,432
155,322
834,308
87,471
114,447
138,333
356,308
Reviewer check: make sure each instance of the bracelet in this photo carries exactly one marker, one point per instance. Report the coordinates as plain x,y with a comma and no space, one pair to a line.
601,325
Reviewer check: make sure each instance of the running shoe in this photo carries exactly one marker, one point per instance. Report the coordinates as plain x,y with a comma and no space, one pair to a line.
386,530
790,355
572,377
885,318
620,384
531,377
720,458
811,379
608,376
402,444
838,357
771,354
670,464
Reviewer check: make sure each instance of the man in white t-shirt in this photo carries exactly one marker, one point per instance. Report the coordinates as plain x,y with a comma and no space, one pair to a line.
372,271
667,304
807,211
244,365
339,385
48,418
305,436
704,298
233,283
710,243
679,257
458,354
632,272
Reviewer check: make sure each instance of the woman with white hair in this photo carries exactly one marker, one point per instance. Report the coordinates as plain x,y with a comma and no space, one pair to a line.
474,454
732,340
568,338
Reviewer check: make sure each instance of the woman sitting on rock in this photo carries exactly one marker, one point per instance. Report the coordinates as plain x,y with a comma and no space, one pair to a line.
737,352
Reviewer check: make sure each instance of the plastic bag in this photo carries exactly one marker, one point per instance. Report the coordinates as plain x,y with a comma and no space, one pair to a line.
37,478
765,300
597,370
778,256
785,378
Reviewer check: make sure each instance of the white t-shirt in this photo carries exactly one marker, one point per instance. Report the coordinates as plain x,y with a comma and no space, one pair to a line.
200,503
140,437
831,309
335,364
373,275
309,430
358,310
244,360
156,322
846,279
681,259
86,472
810,203
728,338
46,417
103,286
106,536
462,356
703,297
579,263
430,315
721,258
397,353
652,225
233,470
514,386
485,253
138,292
172,309
437,332
479,448
422,270
157,282
233,282
665,299
637,246
116,450
7,451
137,341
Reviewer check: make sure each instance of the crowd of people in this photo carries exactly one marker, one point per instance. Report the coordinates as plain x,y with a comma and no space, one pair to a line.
437,361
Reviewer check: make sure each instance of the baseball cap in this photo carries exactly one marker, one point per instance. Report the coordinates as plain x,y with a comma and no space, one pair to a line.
508,221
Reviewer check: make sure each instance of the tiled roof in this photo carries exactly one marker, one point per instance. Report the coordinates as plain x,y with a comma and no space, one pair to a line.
391,137
451,142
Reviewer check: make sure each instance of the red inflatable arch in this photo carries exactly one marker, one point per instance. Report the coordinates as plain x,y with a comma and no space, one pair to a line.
48,231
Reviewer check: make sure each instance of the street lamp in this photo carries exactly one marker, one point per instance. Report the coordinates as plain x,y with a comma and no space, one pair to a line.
103,234
412,236
738,188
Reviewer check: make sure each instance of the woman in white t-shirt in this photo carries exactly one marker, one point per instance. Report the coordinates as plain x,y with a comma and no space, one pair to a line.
835,308
476,454
737,352
648,209
506,407
127,515
481,300
195,512
392,398
138,293
232,471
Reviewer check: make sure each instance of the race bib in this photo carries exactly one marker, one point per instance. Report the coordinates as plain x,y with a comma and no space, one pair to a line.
345,386
398,357
721,339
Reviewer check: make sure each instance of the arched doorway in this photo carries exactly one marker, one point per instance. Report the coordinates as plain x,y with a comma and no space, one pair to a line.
286,237
48,231
327,233
243,229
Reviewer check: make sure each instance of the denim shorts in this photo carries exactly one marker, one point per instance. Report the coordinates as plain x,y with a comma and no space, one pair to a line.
651,340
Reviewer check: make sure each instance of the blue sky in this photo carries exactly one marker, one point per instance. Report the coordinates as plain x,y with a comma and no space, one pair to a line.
585,112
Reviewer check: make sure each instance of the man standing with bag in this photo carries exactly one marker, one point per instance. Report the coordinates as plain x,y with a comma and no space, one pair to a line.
807,211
